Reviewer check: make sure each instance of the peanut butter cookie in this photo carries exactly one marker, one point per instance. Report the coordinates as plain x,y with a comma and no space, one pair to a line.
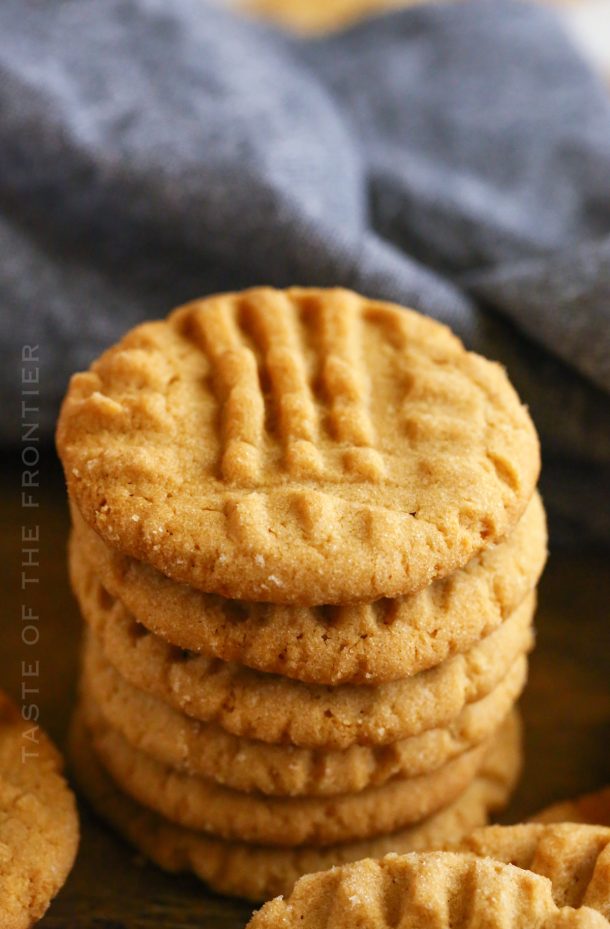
38,821
302,446
446,890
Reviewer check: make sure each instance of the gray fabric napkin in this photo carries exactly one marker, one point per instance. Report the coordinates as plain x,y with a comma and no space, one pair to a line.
455,158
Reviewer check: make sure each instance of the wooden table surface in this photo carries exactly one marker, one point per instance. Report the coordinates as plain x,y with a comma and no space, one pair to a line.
566,709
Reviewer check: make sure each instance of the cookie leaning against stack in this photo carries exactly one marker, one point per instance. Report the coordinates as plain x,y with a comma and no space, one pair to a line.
306,541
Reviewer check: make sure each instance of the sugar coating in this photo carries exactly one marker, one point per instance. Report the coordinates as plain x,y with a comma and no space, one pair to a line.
521,877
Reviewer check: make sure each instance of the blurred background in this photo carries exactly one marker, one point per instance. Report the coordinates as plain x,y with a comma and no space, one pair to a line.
588,20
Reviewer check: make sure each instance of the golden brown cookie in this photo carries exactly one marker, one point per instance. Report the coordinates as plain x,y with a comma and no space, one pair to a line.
201,804
574,857
300,446
444,890
365,644
38,821
259,872
205,749
275,709
593,808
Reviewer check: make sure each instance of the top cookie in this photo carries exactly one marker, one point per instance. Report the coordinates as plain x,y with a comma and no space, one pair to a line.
38,821
300,446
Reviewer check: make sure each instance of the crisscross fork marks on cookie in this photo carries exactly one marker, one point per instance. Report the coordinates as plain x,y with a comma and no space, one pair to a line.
339,399
345,382
443,890
307,392
271,323
577,865
574,857
262,382
236,384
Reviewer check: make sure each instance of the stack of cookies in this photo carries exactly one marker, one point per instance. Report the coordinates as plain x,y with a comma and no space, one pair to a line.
306,541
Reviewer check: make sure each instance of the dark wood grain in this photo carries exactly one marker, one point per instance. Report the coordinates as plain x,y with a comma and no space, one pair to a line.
566,708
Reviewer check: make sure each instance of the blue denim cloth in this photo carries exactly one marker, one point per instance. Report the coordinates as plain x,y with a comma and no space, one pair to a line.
455,158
